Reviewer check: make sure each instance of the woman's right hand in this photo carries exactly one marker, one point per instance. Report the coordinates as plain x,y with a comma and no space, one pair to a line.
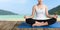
26,17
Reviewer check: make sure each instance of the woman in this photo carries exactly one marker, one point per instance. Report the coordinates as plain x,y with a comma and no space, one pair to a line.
41,13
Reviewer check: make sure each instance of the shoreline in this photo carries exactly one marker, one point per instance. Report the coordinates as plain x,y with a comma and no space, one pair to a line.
22,19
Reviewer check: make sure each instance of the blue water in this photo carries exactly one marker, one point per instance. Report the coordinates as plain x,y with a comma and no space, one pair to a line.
14,17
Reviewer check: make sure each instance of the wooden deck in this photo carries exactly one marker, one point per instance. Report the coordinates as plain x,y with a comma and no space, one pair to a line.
39,29
11,25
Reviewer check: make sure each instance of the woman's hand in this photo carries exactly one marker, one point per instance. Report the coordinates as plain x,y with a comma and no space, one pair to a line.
33,13
55,16
27,17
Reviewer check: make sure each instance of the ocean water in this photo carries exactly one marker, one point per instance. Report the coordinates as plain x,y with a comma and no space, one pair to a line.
11,17
14,17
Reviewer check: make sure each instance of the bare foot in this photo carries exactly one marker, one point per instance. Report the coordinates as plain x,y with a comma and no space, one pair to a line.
40,24
36,23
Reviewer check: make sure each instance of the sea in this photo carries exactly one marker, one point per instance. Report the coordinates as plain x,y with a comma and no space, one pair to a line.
14,17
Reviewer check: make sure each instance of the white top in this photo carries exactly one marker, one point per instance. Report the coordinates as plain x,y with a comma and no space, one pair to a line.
40,14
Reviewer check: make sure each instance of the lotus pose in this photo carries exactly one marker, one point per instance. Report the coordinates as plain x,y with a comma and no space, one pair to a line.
41,12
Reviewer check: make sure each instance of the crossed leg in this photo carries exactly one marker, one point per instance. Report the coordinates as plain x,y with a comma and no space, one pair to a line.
42,23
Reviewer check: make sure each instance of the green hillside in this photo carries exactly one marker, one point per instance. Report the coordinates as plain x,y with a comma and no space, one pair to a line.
55,10
52,11
3,12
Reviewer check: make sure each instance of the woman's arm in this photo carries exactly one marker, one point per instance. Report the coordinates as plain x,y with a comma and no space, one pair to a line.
33,13
47,14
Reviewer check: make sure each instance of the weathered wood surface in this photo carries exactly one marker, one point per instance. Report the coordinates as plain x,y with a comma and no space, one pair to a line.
12,25
7,25
38,29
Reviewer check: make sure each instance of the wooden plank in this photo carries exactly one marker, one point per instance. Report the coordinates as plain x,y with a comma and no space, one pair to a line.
12,25
7,25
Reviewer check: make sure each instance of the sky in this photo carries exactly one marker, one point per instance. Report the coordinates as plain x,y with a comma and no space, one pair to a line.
25,6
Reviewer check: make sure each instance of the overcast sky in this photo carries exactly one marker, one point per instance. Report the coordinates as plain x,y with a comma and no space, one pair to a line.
25,6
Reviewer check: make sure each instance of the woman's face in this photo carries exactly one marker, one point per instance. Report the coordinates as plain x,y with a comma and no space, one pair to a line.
40,1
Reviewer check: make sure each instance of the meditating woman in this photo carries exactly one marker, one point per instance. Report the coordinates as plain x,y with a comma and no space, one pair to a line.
41,12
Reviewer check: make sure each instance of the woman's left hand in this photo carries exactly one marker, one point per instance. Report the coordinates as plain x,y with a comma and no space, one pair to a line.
55,16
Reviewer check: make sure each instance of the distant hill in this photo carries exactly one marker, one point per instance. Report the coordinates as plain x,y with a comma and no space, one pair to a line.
3,12
52,11
55,10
